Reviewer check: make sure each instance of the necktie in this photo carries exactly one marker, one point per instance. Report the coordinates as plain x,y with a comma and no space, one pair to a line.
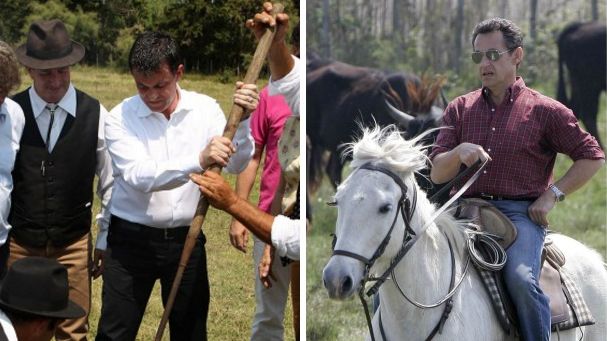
51,108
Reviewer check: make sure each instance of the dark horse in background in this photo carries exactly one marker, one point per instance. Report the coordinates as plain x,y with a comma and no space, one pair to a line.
342,97
582,49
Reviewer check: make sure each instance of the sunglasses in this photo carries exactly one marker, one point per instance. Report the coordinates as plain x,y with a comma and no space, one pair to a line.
493,55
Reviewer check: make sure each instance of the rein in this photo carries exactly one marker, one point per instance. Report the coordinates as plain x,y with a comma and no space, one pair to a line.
406,208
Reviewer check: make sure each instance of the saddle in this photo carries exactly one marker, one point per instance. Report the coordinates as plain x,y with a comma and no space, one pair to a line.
567,307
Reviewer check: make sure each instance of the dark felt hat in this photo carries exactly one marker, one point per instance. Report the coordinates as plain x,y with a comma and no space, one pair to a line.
38,286
49,46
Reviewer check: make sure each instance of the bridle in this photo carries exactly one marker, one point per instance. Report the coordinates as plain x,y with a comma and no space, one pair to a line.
406,208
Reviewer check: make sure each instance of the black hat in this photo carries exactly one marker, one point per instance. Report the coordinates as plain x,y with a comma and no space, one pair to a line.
38,286
49,46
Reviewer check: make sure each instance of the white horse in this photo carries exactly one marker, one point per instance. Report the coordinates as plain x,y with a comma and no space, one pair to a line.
367,203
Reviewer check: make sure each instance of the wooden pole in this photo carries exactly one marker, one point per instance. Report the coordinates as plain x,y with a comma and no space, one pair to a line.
203,205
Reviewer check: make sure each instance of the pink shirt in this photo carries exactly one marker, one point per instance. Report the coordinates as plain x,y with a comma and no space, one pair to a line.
522,135
266,127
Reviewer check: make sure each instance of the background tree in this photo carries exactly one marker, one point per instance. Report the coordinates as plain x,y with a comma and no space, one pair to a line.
433,36
211,34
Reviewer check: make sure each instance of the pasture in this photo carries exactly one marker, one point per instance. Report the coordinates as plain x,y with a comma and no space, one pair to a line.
231,273
581,216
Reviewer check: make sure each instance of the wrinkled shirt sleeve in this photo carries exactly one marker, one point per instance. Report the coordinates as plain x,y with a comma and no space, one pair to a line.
285,236
288,86
105,182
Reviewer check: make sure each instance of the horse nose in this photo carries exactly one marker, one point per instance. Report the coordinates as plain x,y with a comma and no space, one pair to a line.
339,285
347,284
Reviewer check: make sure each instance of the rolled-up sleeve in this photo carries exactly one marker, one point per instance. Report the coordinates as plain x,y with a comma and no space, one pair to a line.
565,136
285,236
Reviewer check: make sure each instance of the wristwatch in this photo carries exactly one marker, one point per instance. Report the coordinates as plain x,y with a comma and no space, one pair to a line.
559,195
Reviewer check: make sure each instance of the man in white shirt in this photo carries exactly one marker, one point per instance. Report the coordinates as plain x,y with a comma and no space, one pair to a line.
61,150
31,311
156,139
11,128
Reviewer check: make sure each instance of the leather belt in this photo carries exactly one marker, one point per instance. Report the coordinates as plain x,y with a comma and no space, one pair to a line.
499,197
125,227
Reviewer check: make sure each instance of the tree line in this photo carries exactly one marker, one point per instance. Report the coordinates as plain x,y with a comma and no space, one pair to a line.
434,36
211,33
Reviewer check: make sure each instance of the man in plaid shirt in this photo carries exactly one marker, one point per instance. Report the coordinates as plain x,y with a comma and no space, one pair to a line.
520,132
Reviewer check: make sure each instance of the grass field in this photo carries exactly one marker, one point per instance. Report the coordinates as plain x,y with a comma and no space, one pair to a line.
582,216
230,271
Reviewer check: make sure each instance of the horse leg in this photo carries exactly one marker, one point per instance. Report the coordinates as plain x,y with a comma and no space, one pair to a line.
334,168
584,104
588,111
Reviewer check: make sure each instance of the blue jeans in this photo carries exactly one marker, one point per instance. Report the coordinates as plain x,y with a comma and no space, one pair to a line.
522,270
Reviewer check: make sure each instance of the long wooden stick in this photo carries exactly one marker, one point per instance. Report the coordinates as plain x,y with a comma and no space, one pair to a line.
203,205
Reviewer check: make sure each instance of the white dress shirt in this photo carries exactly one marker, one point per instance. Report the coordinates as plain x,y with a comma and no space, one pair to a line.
12,122
286,232
288,86
7,326
285,236
67,106
152,157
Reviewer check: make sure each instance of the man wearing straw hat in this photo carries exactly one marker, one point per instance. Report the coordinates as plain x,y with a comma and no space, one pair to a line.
33,299
61,150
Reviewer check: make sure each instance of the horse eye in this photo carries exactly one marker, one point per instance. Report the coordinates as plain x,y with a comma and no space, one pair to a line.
385,208
332,203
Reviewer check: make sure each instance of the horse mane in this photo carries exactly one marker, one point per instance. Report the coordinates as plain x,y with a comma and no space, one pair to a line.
387,146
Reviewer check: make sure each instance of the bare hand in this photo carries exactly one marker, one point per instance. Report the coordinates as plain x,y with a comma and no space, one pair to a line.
469,153
217,191
264,19
538,210
218,151
239,236
247,96
98,264
265,267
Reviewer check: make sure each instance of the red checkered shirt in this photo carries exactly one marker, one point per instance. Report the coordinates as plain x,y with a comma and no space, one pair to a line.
522,136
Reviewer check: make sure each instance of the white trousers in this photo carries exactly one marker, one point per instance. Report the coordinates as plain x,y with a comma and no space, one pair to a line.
270,303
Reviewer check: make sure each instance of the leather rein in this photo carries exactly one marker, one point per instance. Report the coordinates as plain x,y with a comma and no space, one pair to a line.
406,208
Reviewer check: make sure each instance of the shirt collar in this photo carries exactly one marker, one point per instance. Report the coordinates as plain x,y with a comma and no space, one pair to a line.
143,110
512,91
67,103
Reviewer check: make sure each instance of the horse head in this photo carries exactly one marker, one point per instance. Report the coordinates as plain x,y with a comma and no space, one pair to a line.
375,205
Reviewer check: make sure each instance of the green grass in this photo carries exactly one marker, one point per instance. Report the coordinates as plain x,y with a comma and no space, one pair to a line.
231,273
582,216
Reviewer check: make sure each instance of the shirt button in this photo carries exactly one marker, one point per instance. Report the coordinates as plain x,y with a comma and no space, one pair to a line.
488,149
511,100
492,109
493,128
484,172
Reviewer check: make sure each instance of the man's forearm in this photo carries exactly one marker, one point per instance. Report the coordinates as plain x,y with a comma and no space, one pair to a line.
578,174
254,219
445,167
280,60
246,179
